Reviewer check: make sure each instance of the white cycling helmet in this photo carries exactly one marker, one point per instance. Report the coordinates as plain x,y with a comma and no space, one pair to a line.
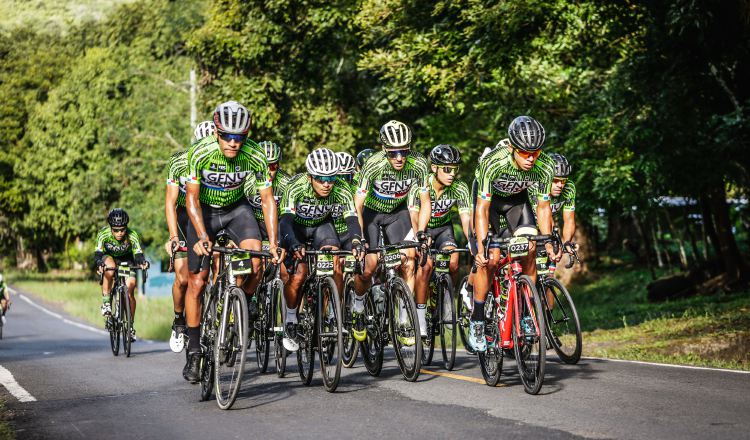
232,117
204,129
395,135
322,162
273,152
347,164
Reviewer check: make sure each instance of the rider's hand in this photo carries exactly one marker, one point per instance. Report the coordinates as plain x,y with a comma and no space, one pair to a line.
203,246
173,243
479,259
100,268
299,251
569,246
358,249
278,253
554,256
424,237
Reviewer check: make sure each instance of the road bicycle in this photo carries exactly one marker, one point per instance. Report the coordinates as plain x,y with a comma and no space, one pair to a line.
352,267
268,328
120,320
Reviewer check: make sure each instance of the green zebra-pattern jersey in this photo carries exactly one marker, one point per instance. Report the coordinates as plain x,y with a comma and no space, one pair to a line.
565,202
279,186
338,219
385,188
309,209
454,197
221,178
499,175
177,173
108,244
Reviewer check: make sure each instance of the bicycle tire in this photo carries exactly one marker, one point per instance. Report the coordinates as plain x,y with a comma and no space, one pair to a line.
558,320
127,321
351,345
262,329
491,360
373,347
278,312
330,335
428,342
528,344
409,356
448,324
306,329
207,342
463,315
114,322
230,348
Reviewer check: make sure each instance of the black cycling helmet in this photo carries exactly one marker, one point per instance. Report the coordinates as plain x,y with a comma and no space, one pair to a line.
118,218
445,154
562,166
526,133
363,155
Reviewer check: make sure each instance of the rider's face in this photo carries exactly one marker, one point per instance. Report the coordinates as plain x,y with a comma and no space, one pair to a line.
397,158
445,177
557,186
525,159
321,188
118,233
230,144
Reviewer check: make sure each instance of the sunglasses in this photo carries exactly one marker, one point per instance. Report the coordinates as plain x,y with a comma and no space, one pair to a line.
347,177
273,166
232,137
449,170
528,154
324,179
393,154
118,229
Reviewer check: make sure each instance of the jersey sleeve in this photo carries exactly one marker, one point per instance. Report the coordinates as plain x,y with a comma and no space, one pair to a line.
196,154
135,241
288,200
463,197
172,180
248,187
546,172
484,176
346,200
569,199
100,238
413,201
366,175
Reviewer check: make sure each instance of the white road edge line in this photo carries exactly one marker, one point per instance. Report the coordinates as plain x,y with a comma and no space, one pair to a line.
10,384
656,364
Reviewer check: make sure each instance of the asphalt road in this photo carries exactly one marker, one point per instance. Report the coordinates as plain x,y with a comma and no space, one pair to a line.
82,391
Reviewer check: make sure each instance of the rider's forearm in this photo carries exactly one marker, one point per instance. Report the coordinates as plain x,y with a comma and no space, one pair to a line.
424,212
352,224
569,226
359,204
195,214
544,220
286,226
481,222
271,217
98,258
466,224
170,205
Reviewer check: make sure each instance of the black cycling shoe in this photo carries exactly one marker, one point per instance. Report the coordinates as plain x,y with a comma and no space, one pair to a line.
192,369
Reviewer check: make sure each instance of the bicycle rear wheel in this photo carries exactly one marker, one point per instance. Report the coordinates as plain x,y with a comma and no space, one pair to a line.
491,360
127,320
373,347
402,314
351,345
278,312
207,338
463,316
529,341
113,322
230,347
262,329
447,322
306,334
563,327
428,342
330,338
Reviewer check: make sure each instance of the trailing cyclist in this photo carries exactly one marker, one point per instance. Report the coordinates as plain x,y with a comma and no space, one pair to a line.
362,157
563,198
279,183
447,194
4,298
306,217
385,182
215,200
503,180
115,244
177,221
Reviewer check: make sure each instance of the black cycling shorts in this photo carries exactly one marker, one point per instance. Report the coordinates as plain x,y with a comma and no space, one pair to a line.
443,236
396,225
516,209
182,225
315,237
345,238
237,220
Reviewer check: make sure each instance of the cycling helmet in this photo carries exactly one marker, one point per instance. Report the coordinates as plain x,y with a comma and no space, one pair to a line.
204,129
363,155
346,163
526,133
322,162
1,278
562,167
118,218
273,152
395,135
445,154
232,117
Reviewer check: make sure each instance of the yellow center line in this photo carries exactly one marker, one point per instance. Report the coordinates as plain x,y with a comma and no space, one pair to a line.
457,376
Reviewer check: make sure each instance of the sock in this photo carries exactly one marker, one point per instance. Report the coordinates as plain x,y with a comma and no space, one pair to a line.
359,303
421,315
469,288
105,298
291,316
179,317
194,336
478,313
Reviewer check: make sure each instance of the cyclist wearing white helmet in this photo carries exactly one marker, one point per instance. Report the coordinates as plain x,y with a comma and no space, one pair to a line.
307,217
217,169
279,182
205,128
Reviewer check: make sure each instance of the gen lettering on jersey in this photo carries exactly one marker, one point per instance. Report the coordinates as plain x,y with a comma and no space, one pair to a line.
223,181
117,249
313,212
442,207
392,189
510,184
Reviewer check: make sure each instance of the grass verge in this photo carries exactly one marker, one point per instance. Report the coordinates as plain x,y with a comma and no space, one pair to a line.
6,432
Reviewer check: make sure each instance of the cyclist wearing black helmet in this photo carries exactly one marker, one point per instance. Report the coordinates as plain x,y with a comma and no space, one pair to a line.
115,244
503,179
362,157
447,194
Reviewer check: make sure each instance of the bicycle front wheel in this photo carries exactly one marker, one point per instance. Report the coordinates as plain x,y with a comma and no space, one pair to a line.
262,330
113,322
563,327
127,320
402,315
278,312
330,338
306,335
230,347
351,345
529,340
448,321
373,346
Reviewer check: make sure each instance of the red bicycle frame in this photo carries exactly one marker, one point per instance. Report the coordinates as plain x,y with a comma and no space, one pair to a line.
509,268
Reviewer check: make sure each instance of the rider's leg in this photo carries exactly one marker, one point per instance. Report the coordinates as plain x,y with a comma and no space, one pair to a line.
131,295
107,281
179,287
253,280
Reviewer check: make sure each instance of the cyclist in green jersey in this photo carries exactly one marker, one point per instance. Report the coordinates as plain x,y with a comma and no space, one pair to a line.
306,217
362,157
115,244
386,179
4,298
563,198
448,194
503,179
177,220
279,182
215,200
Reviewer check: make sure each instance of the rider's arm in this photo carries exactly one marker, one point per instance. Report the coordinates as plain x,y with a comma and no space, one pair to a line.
193,205
464,207
482,222
424,214
569,226
170,204
270,214
350,214
99,250
544,216
359,204
413,203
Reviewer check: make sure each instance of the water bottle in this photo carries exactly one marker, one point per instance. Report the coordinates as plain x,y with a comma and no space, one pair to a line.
378,297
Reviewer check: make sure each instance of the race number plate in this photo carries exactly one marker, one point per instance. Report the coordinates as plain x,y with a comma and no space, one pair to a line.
241,264
125,271
442,263
518,247
265,245
392,258
349,263
324,266
541,265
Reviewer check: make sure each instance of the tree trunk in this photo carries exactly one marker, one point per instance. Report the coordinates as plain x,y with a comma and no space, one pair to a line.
645,241
25,259
666,248
708,225
678,237
730,254
691,236
657,251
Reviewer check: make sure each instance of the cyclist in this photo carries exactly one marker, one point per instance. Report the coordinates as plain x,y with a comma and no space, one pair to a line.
386,179
346,173
306,217
362,157
115,244
503,179
447,194
4,298
279,182
563,198
217,169
177,220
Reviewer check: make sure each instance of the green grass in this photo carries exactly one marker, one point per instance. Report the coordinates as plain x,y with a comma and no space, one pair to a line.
53,15
81,297
619,322
6,432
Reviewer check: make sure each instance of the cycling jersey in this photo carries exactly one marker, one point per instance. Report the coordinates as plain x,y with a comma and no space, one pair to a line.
384,187
177,174
222,179
456,196
565,202
107,244
337,214
499,175
308,209
279,185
